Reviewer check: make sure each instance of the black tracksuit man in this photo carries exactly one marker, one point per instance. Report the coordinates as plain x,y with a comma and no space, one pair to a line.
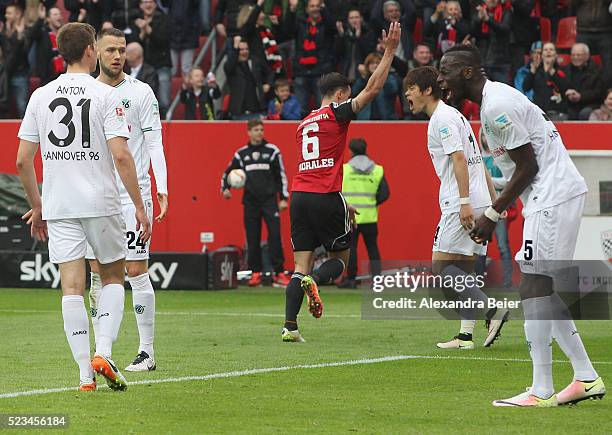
266,183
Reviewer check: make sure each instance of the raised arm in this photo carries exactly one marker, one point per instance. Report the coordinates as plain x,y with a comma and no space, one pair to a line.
379,76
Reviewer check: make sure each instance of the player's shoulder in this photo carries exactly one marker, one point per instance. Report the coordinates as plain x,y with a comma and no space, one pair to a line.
272,147
143,89
499,97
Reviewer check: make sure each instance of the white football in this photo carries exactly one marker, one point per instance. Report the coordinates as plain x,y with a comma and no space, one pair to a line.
236,178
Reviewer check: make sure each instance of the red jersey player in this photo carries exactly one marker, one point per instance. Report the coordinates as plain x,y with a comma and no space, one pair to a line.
319,213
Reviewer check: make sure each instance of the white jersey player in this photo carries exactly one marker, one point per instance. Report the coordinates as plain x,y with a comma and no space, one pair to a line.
142,115
81,128
465,192
530,153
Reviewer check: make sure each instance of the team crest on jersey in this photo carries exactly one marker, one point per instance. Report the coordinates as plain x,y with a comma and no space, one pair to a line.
445,133
126,103
256,155
503,121
606,243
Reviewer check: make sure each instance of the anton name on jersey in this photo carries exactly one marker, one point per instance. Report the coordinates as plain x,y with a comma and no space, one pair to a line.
70,90
316,164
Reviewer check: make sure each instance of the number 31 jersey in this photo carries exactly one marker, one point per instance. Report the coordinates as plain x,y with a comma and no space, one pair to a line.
321,138
72,117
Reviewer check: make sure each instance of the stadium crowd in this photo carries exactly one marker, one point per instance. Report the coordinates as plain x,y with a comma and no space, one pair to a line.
559,53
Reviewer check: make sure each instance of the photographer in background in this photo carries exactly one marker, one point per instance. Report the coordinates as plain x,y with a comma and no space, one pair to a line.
266,183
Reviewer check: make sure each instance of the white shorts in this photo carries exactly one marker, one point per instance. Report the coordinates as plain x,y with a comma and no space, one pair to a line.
452,238
134,249
550,236
69,238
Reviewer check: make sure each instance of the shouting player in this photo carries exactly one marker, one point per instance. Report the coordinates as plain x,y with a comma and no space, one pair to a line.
319,214
466,190
531,155
142,115
80,125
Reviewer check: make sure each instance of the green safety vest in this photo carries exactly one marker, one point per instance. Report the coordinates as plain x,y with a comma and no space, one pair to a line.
359,190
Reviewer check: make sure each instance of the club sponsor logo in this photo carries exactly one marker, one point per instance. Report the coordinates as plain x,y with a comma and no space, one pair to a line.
139,309
503,121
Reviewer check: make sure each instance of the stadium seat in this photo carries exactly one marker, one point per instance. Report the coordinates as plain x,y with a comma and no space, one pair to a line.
175,88
399,110
566,33
545,30
563,59
417,36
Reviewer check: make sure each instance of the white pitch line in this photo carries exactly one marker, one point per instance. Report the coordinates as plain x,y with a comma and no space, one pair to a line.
192,313
247,372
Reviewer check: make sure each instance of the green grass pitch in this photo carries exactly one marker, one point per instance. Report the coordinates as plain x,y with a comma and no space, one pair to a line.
205,333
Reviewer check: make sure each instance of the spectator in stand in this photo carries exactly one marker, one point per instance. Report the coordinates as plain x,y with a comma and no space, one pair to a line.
535,57
228,10
314,49
492,28
586,85
604,113
185,32
121,13
383,106
5,97
138,69
49,62
86,11
386,11
198,97
261,39
353,42
152,30
248,80
549,83
594,28
525,30
284,105
205,8
16,56
446,27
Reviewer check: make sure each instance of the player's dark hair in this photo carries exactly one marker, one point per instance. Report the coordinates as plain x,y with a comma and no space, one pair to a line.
424,77
331,82
111,32
73,39
358,146
467,54
254,123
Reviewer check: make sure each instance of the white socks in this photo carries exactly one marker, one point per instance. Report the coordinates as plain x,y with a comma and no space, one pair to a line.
110,314
143,298
467,326
565,333
94,299
538,331
76,327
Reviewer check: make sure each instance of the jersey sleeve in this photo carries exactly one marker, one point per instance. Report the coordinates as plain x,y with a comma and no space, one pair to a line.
507,126
115,124
149,111
29,127
344,111
450,137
